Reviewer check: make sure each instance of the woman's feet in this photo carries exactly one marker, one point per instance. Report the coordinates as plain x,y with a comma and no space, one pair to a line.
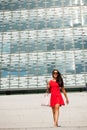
55,124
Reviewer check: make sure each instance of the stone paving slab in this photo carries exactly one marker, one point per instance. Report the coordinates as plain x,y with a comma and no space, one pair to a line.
24,112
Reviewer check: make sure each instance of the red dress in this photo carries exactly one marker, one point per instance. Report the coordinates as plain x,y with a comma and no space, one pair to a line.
56,96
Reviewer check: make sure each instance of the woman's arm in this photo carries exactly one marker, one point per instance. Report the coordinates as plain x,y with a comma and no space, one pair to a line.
48,87
65,94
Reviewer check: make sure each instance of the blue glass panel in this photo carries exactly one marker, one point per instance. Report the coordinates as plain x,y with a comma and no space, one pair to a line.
41,18
23,46
22,26
59,61
1,21
78,42
42,46
68,45
4,5
0,48
69,62
49,3
84,20
1,28
33,70
79,62
60,44
50,67
50,46
4,73
68,39
58,23
58,3
78,38
67,2
41,3
85,43
79,68
0,45
33,4
15,47
23,73
6,48
41,69
75,2
14,73
76,15
86,67
67,21
84,2
85,38
41,24
24,4
14,5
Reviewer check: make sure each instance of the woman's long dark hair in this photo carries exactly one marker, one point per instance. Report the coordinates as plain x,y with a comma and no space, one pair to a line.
59,79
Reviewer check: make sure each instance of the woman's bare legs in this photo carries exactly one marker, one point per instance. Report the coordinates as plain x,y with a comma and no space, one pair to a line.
55,111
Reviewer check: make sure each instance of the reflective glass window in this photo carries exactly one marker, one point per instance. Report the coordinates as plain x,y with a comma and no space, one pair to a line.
41,17
70,80
42,45
78,40
84,16
76,15
58,18
50,62
68,22
4,83
49,3
32,82
85,38
5,65
60,60
69,62
50,38
67,2
84,2
85,59
68,39
41,64
80,81
75,2
59,39
79,64
41,3
14,82
16,20
32,4
23,82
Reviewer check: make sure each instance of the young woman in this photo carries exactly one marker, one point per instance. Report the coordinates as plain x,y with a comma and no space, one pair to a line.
55,86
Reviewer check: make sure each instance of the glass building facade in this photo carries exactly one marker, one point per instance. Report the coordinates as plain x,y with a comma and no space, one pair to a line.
37,36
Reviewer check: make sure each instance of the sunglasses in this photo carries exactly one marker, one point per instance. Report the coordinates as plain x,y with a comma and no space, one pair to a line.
55,72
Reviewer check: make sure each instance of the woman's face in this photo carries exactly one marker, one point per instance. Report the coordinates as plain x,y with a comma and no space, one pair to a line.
55,74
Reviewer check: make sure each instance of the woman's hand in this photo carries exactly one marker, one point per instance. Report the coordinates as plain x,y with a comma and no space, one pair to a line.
65,94
67,101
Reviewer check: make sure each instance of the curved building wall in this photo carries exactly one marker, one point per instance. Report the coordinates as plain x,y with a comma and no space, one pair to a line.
37,36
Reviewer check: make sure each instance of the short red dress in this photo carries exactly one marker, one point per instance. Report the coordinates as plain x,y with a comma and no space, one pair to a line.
56,96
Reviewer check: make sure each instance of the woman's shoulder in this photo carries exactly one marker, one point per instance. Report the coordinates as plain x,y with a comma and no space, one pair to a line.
49,81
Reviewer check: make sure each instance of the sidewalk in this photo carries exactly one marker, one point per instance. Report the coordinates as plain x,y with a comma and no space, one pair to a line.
24,112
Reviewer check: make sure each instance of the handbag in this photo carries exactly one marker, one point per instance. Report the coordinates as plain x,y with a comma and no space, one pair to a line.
46,99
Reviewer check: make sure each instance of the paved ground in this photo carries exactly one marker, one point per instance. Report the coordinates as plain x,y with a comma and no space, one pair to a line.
24,112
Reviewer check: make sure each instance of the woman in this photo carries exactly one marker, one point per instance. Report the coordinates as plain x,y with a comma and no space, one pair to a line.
56,100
